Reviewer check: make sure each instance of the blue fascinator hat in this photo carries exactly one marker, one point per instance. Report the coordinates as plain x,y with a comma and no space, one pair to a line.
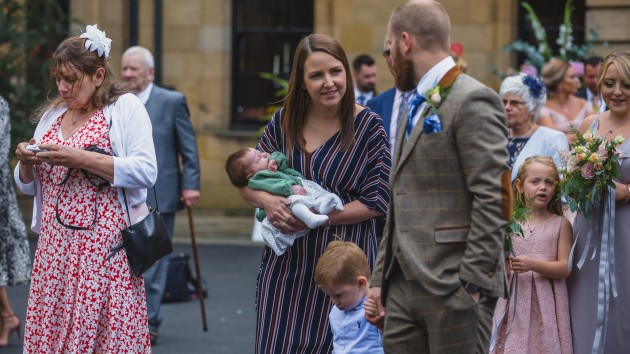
536,87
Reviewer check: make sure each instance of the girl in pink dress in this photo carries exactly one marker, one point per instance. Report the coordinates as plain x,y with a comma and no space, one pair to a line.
535,318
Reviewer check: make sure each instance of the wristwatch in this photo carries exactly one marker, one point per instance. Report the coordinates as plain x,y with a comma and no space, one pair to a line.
470,287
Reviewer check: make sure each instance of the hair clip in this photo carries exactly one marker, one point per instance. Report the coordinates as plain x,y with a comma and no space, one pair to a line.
97,41
536,87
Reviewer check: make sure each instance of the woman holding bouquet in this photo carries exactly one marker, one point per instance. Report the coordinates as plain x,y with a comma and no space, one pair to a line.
597,327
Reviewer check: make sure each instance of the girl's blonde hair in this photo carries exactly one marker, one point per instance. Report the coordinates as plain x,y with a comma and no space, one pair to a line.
555,205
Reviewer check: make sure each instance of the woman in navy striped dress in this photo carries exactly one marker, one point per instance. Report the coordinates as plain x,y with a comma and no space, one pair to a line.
343,147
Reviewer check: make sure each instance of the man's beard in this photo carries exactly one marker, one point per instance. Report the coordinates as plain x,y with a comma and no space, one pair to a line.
366,87
404,75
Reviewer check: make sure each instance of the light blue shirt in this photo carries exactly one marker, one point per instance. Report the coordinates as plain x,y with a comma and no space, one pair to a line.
352,333
145,94
430,80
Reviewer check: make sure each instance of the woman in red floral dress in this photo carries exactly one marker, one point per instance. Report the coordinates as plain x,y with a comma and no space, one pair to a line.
81,300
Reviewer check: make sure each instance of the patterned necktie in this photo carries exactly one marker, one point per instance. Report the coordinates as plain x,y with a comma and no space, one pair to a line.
401,106
595,104
361,100
415,102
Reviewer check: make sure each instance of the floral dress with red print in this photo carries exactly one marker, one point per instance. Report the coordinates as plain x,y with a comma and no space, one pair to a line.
80,301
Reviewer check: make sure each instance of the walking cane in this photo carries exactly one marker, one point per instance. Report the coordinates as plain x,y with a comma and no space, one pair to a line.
197,271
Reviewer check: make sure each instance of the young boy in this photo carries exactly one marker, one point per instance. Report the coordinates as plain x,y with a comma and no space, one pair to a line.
270,172
342,272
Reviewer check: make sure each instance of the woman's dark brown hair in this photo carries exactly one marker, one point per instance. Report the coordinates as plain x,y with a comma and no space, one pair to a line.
298,101
72,54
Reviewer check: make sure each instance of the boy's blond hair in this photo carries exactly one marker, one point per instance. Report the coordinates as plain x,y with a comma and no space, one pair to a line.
342,263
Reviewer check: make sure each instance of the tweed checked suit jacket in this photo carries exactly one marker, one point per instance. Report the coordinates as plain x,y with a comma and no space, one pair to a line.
450,196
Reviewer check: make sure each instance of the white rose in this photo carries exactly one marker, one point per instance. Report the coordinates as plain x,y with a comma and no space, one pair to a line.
436,98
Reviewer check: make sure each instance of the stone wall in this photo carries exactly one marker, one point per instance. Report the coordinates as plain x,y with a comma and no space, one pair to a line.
610,19
197,55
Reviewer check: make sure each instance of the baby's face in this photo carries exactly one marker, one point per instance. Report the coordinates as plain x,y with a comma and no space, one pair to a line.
258,161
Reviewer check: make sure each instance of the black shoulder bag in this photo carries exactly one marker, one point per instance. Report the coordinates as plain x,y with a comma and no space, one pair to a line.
145,241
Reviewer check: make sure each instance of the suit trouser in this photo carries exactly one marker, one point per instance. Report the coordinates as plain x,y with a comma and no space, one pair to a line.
417,321
155,280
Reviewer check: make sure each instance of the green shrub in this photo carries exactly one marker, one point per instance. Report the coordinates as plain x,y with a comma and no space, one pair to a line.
30,30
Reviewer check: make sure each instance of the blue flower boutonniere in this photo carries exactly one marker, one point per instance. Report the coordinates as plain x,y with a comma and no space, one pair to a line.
432,124
434,96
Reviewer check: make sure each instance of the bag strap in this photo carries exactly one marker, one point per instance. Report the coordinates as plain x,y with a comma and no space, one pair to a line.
157,206
99,188
117,248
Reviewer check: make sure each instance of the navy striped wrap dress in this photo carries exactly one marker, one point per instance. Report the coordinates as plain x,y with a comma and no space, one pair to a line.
292,313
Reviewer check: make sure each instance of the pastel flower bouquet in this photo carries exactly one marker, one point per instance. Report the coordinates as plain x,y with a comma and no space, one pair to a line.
589,169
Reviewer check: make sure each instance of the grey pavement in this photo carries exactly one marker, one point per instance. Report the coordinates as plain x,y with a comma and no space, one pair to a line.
229,261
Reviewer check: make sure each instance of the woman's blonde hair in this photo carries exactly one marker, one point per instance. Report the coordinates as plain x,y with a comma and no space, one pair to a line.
554,206
621,59
552,74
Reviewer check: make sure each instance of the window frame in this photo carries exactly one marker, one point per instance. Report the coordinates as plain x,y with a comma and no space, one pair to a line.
283,38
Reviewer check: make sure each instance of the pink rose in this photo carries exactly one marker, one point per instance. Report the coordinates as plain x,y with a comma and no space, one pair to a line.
587,171
529,69
578,66
601,150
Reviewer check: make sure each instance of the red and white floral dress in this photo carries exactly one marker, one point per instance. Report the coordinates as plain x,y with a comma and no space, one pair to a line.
80,301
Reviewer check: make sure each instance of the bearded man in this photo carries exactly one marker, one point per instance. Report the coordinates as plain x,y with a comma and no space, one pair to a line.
439,269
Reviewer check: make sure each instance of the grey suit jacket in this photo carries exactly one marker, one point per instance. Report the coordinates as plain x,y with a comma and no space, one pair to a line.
450,197
173,137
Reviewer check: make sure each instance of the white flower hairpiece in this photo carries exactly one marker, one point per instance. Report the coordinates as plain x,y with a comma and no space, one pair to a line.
97,41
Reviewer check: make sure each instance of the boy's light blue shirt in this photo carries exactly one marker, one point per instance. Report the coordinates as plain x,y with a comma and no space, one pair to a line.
352,333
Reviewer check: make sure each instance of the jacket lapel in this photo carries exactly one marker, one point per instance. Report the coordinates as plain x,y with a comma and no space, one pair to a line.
154,104
404,146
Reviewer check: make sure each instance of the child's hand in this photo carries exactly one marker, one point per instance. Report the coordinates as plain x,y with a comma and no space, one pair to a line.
370,307
521,264
272,166
297,189
372,315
